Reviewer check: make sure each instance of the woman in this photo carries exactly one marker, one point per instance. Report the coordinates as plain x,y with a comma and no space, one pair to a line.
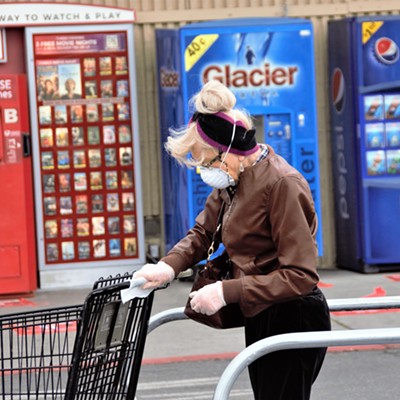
268,230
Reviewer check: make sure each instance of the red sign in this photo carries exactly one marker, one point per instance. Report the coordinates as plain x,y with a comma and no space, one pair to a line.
10,119
8,87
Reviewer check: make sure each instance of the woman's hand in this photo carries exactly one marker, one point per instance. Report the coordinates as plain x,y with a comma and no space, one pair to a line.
156,275
209,299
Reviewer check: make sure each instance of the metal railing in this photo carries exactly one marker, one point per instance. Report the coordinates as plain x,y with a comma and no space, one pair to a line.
303,340
300,340
351,304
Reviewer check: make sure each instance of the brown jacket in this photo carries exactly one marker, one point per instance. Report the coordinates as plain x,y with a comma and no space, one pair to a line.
268,231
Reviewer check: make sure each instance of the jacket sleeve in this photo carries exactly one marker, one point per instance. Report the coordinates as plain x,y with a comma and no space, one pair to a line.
194,246
293,226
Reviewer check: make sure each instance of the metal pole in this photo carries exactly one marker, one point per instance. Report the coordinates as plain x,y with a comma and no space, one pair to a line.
173,314
365,303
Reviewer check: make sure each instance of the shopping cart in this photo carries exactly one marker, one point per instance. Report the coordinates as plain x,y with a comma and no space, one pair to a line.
90,351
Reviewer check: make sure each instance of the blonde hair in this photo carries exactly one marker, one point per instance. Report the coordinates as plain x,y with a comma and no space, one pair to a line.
214,97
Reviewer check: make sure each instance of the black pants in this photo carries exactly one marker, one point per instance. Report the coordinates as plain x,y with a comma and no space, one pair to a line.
288,374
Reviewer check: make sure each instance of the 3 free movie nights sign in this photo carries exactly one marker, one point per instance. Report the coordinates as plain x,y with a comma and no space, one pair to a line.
40,14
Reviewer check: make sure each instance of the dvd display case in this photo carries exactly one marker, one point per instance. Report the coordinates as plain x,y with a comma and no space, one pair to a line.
85,147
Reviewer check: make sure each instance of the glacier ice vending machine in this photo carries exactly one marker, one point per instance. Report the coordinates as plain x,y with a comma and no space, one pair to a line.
85,151
269,65
364,70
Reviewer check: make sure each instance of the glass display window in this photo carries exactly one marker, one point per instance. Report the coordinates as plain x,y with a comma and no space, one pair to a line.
87,166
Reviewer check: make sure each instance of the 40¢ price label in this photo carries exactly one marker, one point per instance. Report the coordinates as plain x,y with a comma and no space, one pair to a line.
197,48
369,29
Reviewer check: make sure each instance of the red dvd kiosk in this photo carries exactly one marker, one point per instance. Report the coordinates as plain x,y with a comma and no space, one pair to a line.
81,87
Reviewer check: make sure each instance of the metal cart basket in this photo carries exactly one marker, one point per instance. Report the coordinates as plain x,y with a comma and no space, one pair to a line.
90,351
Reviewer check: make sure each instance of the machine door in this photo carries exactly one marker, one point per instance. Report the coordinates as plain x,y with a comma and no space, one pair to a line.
18,269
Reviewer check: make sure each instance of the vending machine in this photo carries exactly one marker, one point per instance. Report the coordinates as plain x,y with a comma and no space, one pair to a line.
364,70
268,63
85,152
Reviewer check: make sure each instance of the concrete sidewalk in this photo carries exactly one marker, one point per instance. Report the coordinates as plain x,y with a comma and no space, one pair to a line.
180,340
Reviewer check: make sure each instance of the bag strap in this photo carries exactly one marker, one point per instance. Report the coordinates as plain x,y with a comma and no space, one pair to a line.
218,228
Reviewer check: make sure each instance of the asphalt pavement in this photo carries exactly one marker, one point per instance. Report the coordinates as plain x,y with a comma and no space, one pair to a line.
182,339
191,357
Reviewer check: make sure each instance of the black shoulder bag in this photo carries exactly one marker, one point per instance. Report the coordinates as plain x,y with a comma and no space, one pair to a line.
217,269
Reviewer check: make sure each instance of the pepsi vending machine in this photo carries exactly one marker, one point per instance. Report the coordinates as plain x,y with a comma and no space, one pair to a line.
364,67
268,63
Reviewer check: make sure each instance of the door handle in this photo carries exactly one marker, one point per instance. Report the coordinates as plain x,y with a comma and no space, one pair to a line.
26,145
1,137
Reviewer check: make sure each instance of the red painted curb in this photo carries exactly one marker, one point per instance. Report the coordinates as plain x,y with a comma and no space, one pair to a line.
368,347
229,356
189,358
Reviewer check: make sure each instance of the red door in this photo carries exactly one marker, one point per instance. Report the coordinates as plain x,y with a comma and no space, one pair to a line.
18,265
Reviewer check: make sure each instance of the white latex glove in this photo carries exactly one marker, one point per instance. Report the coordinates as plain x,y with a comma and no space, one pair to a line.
156,275
209,299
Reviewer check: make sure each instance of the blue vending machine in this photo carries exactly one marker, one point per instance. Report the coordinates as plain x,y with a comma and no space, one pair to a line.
269,65
364,70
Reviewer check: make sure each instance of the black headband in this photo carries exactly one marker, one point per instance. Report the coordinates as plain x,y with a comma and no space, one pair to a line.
216,130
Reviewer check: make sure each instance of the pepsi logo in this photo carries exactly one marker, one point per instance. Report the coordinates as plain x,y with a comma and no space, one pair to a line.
338,89
386,50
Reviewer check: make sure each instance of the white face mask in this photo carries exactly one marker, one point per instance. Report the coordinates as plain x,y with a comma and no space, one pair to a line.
216,178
